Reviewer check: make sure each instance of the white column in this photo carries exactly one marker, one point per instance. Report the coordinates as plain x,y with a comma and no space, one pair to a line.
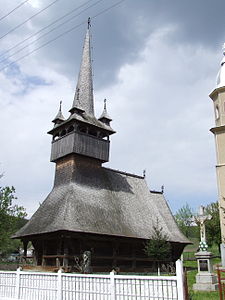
59,285
180,281
112,286
17,288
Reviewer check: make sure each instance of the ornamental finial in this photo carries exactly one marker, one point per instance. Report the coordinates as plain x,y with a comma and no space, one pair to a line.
60,105
89,22
144,173
104,103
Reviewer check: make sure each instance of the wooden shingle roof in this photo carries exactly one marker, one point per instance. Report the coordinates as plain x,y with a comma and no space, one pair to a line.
103,201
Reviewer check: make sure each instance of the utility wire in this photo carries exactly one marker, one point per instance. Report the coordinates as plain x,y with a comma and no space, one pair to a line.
11,11
36,49
43,28
19,25
107,8
64,33
53,29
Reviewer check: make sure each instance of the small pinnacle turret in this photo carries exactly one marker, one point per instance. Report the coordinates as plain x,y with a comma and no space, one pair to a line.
83,99
105,118
59,118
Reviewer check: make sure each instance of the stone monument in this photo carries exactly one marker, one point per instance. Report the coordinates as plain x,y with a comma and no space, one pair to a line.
206,280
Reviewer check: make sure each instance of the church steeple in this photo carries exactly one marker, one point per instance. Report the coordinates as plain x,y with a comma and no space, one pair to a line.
83,99
82,134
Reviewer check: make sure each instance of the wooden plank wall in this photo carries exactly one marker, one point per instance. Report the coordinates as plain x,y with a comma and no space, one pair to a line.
81,144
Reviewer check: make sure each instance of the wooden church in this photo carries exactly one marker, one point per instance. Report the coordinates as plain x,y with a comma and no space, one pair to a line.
93,208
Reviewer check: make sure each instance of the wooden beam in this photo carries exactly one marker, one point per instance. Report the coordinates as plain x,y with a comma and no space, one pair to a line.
25,243
65,252
43,263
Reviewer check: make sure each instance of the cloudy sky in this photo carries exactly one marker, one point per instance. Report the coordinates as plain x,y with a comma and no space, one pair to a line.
155,62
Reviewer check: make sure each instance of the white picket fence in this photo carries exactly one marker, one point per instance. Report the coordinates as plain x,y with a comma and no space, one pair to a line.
61,286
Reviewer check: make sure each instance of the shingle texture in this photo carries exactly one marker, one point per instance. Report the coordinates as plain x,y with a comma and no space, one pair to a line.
84,91
91,120
102,201
84,118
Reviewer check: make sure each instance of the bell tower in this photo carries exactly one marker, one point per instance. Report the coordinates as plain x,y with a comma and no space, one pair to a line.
218,97
82,135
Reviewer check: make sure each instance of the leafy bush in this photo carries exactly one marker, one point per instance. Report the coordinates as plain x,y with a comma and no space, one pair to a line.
12,217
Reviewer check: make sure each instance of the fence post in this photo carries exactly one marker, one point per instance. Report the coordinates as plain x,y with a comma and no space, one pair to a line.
112,286
59,285
17,287
180,282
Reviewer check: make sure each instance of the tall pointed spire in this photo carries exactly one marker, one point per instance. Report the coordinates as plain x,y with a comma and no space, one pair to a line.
83,99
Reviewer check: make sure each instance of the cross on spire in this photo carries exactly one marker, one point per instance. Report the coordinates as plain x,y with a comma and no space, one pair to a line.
89,23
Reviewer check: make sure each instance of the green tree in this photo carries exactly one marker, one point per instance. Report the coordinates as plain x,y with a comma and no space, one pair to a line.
213,233
184,219
157,247
12,217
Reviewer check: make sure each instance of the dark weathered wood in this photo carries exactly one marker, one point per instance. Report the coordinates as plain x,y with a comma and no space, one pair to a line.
66,253
108,252
58,256
25,243
44,250
80,143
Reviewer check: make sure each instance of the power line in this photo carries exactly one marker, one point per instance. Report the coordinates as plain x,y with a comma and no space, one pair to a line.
53,29
43,28
108,8
62,34
19,25
45,44
11,11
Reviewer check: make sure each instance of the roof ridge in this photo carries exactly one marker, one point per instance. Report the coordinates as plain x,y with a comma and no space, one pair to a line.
124,173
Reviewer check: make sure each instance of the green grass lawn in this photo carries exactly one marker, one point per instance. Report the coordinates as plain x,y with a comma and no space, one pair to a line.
191,273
